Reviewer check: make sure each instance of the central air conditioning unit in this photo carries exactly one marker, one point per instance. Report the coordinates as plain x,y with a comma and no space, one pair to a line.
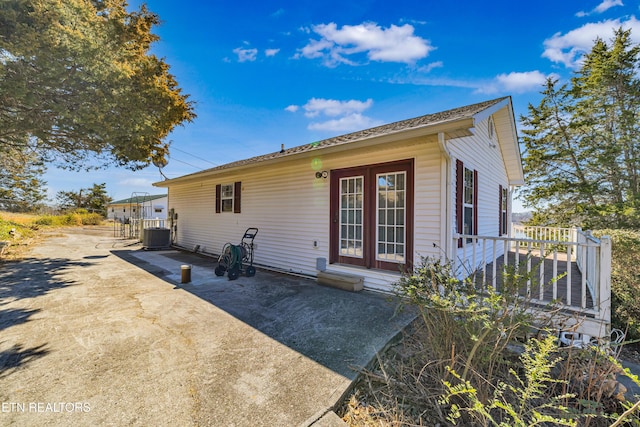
156,238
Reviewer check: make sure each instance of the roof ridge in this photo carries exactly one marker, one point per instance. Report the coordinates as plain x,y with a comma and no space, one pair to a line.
138,199
412,123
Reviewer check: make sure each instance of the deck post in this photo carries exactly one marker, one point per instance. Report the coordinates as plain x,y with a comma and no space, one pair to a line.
604,305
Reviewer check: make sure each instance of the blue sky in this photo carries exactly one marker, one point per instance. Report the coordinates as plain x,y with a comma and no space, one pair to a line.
288,72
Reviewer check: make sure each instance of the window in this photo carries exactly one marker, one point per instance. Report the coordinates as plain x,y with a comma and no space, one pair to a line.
504,209
372,211
468,206
391,217
228,197
491,129
466,200
351,209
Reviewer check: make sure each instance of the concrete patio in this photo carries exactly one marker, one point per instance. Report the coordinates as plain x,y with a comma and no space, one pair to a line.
108,332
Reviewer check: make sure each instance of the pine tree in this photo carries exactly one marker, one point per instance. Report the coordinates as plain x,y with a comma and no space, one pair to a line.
581,142
21,186
94,199
78,82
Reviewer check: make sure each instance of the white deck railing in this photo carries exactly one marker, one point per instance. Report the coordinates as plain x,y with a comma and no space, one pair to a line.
148,223
133,228
544,233
558,264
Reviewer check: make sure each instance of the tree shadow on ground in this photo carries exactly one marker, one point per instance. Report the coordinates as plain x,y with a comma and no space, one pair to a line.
29,278
15,316
18,356
33,277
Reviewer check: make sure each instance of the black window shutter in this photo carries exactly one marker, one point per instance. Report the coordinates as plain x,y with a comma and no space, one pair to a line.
218,198
475,202
505,222
237,189
500,225
459,197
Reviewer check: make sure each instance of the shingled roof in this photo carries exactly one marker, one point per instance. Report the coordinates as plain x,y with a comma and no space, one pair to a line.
466,112
138,199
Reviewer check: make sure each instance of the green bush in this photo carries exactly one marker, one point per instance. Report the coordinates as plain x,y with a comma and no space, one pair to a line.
72,219
76,218
92,219
46,220
625,280
11,230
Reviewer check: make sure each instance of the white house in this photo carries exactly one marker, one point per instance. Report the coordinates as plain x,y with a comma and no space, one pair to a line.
367,203
139,206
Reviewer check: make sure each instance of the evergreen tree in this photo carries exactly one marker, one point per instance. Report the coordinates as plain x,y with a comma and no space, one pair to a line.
21,186
581,142
78,83
94,199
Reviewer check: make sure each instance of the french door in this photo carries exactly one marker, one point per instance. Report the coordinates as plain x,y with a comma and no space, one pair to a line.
372,215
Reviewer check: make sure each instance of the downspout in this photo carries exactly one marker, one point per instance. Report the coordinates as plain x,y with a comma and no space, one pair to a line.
446,209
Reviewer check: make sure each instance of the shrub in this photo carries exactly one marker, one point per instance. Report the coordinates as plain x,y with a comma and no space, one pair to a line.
92,219
473,325
46,220
472,358
71,219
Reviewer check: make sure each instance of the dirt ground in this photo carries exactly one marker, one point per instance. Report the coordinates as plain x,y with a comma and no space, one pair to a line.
96,332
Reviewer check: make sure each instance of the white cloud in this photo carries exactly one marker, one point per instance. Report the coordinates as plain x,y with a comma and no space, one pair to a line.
343,116
515,82
442,82
333,108
506,83
569,48
271,52
136,182
314,49
427,68
348,123
393,44
521,82
601,8
606,5
246,54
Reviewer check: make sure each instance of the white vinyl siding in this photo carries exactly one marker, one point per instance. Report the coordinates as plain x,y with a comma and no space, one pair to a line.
290,206
483,155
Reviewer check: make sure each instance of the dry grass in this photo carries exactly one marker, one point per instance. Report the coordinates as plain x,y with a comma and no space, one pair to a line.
404,387
19,218
19,231
469,355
